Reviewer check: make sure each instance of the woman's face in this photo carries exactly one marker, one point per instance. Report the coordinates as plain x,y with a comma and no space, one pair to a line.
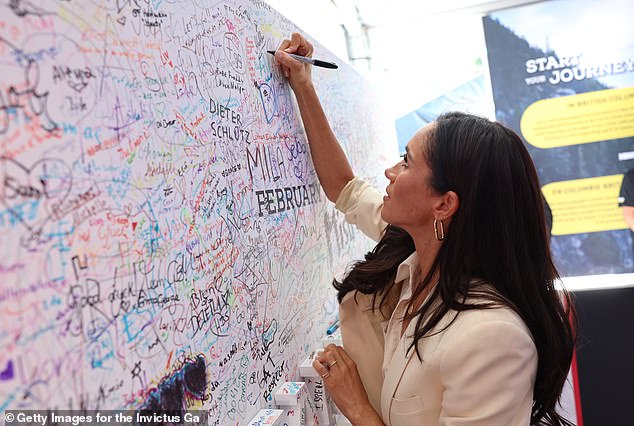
410,197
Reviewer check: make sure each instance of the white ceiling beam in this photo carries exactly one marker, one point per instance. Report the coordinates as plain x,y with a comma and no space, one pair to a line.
407,11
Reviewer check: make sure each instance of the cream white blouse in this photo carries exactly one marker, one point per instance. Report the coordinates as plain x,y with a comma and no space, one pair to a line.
479,371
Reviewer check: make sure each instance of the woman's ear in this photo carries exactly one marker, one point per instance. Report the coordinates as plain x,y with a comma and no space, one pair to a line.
447,205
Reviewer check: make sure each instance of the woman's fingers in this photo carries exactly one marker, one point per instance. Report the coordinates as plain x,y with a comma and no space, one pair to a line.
297,73
283,67
299,45
284,44
343,356
287,62
321,369
296,42
341,379
329,358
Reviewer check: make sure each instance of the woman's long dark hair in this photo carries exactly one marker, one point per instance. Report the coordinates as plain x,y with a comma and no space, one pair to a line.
497,236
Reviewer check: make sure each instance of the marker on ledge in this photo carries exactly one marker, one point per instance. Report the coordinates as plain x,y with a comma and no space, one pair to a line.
315,62
333,328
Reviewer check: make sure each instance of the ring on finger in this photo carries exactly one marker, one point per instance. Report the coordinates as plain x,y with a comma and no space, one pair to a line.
325,375
332,363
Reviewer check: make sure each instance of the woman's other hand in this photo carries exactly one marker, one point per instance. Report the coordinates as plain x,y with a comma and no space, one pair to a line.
343,383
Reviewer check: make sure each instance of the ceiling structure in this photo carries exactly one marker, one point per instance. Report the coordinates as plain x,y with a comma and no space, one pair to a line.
414,50
375,13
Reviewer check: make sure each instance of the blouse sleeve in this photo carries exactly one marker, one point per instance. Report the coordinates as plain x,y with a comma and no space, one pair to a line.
361,205
488,376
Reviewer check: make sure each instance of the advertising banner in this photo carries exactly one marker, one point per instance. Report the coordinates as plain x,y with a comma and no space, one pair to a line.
562,74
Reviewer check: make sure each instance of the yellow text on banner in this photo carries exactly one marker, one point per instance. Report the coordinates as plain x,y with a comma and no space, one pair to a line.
585,205
572,120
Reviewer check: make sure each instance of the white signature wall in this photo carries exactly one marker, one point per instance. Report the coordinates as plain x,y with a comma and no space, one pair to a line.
163,236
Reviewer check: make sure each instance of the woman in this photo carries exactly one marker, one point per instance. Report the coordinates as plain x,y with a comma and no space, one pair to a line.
461,278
